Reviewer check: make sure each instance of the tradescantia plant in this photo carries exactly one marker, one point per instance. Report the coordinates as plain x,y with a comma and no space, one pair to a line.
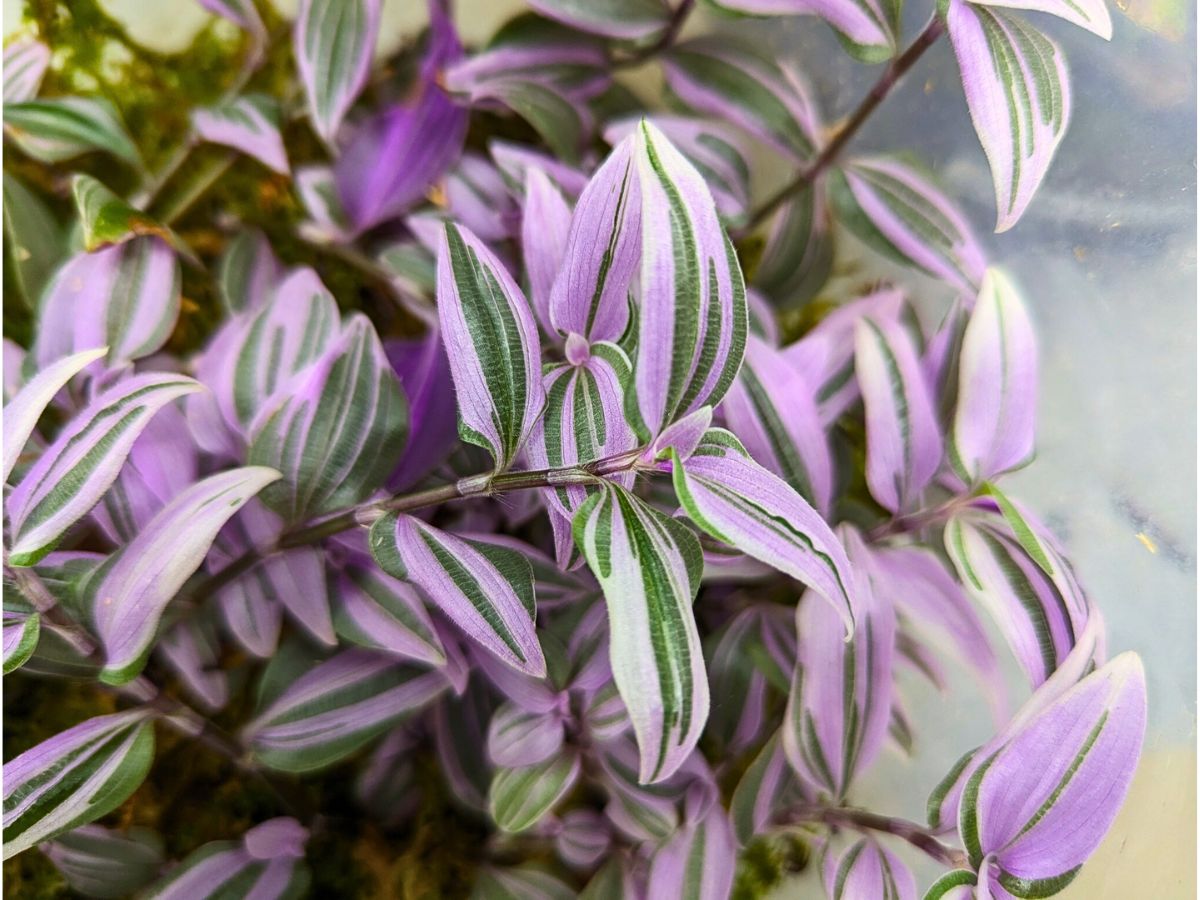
548,525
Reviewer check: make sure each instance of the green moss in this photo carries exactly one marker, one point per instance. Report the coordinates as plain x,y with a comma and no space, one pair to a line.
766,862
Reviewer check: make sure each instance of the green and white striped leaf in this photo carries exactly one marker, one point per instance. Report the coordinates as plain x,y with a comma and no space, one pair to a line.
797,257
250,124
767,786
52,131
22,629
75,777
521,797
248,272
519,883
129,592
334,44
649,566
492,343
338,430
1015,79
485,589
73,473
374,610
101,862
108,220
25,63
343,703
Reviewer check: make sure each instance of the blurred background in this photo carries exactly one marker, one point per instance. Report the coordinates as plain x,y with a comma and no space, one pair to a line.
1106,257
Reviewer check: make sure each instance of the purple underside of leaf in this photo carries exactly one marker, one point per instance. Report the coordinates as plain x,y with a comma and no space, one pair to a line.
545,227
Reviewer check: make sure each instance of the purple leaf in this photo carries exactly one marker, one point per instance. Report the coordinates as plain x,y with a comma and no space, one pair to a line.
1090,14
630,20
248,272
642,813
392,159
1015,80
773,411
766,787
900,213
192,650
649,566
250,124
74,472
692,295
240,12
681,438
339,433
519,798
527,882
486,590
75,777
734,82
840,703
545,225
590,296
1039,806
997,385
515,160
798,256
904,442
478,198
337,707
734,499
128,593
868,29
517,737
698,861
334,43
584,839
318,191
865,869
22,412
492,343
25,62
124,297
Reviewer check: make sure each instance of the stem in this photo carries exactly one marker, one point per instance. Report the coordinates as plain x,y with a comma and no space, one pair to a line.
861,820
196,189
665,40
916,521
891,76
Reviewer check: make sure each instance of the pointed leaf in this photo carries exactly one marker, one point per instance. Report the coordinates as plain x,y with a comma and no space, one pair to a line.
545,226
247,272
520,798
25,62
997,385
337,707
73,473
491,340
649,568
698,861
99,862
339,433
109,220
630,20
21,633
249,124
763,790
1015,80
34,240
75,777
376,611
797,258
486,590
904,442
128,593
868,29
737,501
865,869
334,44
1090,14
61,128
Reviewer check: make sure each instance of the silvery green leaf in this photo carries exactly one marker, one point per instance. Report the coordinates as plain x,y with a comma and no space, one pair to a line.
251,124
33,237
631,20
21,632
25,62
61,128
520,797
334,45
519,883
75,777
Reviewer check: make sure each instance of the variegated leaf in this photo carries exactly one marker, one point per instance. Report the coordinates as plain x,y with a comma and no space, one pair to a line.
62,128
22,629
374,610
630,20
75,777
100,862
485,589
797,257
692,295
545,230
520,797
519,883
25,62
250,124
866,869
734,499
334,45
338,434
868,29
1015,80
766,787
648,566
900,213
128,593
248,272
697,862
337,707
73,473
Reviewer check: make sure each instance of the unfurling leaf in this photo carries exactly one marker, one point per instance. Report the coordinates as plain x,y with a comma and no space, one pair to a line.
337,707
485,589
997,385
904,442
841,697
75,777
898,212
693,299
734,499
649,568
338,432
130,590
492,343
249,124
73,473
1038,806
335,40
1015,79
